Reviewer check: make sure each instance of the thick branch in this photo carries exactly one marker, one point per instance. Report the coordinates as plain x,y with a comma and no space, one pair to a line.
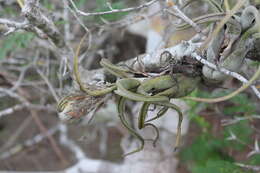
38,19
155,62
152,62
41,22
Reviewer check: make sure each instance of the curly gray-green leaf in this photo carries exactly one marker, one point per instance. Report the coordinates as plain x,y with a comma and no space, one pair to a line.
240,46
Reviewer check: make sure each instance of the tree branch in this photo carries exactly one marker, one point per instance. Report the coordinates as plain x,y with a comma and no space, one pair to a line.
112,10
155,61
14,26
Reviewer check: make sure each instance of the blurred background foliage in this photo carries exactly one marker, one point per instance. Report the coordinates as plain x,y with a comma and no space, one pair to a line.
216,152
209,148
14,42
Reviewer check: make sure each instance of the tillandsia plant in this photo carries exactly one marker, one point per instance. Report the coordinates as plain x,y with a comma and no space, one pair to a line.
154,90
73,107
176,76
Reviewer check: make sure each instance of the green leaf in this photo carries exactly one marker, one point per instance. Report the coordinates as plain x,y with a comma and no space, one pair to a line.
255,159
217,166
201,122
48,5
242,105
242,131
207,154
204,147
9,11
102,6
14,42
61,22
80,3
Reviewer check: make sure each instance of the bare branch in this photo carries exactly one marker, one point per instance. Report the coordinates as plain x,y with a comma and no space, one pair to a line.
41,23
181,15
227,122
51,88
18,107
35,17
28,143
250,167
14,26
18,25
14,95
21,77
81,23
11,109
225,71
112,10
52,141
256,149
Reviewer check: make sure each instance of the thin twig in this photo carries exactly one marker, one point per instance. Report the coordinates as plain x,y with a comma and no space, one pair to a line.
133,19
225,71
13,137
21,78
112,10
51,88
52,141
84,26
14,95
28,143
66,18
181,15
11,110
250,167
227,122
18,107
